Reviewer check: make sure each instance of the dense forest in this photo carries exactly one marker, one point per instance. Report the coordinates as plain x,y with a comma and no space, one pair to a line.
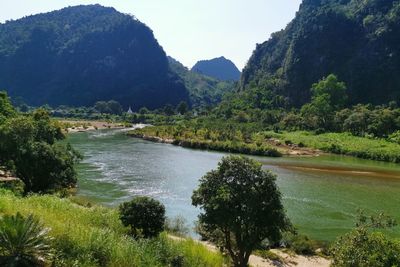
358,40
218,68
79,55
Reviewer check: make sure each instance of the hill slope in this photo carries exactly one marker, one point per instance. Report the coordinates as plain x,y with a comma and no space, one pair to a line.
358,40
79,55
203,90
218,68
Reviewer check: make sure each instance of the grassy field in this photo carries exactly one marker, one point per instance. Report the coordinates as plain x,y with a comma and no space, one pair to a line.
95,236
343,143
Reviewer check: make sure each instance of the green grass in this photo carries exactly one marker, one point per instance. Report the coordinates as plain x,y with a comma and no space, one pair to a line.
345,144
206,139
95,236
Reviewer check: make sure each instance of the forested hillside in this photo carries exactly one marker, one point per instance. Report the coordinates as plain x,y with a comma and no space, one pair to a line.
203,90
79,55
358,40
218,68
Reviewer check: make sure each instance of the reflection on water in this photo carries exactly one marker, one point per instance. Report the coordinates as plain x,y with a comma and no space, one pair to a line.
321,194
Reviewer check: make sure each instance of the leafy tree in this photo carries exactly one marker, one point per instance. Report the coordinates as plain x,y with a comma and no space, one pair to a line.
102,107
145,216
242,204
115,107
29,147
6,108
182,108
361,247
332,89
143,111
169,110
24,242
328,95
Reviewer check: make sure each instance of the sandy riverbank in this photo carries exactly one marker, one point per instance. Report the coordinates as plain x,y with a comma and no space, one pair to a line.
288,260
73,126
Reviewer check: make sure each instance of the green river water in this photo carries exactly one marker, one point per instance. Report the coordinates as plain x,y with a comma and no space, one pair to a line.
321,194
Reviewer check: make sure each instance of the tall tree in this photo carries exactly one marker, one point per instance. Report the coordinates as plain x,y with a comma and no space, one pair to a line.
242,203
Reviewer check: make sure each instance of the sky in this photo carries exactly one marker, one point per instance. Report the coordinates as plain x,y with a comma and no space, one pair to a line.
188,30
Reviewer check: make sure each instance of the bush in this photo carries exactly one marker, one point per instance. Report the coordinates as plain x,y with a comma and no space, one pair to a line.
361,248
145,216
23,241
17,186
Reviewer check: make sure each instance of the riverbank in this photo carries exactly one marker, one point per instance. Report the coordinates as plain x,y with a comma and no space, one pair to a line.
73,126
94,236
273,144
281,258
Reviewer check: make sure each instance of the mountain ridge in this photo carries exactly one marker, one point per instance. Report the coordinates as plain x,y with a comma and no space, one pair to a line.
219,68
82,54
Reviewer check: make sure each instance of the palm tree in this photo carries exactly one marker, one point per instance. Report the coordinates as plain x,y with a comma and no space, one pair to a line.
23,241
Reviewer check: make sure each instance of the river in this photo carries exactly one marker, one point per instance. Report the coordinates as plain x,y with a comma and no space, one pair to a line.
321,194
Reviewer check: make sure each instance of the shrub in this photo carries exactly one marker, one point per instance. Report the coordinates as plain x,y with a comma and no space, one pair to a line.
361,248
23,241
17,186
145,216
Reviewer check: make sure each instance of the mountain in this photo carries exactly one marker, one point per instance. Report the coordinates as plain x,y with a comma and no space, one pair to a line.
203,90
79,55
218,68
358,40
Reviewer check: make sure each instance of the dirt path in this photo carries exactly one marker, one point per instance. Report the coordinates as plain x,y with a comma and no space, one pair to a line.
288,260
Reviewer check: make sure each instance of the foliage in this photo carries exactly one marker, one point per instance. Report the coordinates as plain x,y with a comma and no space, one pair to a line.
96,237
145,216
29,146
23,241
344,143
110,107
241,201
353,39
361,247
182,108
6,108
16,186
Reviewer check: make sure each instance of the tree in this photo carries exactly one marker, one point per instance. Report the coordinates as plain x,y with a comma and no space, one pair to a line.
23,241
333,89
102,107
145,216
169,110
241,203
328,95
143,111
182,108
115,107
361,247
6,108
29,147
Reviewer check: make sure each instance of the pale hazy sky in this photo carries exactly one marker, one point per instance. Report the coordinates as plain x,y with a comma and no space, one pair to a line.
188,30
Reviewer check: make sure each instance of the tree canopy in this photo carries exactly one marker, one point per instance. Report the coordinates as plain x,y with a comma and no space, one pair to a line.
240,201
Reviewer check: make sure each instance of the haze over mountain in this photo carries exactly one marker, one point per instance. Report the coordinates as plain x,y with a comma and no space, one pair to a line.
79,55
203,90
358,40
218,68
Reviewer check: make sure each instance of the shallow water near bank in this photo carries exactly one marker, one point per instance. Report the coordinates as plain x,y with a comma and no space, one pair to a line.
321,194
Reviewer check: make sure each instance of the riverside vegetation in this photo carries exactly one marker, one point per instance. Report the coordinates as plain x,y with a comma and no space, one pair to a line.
42,230
236,125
